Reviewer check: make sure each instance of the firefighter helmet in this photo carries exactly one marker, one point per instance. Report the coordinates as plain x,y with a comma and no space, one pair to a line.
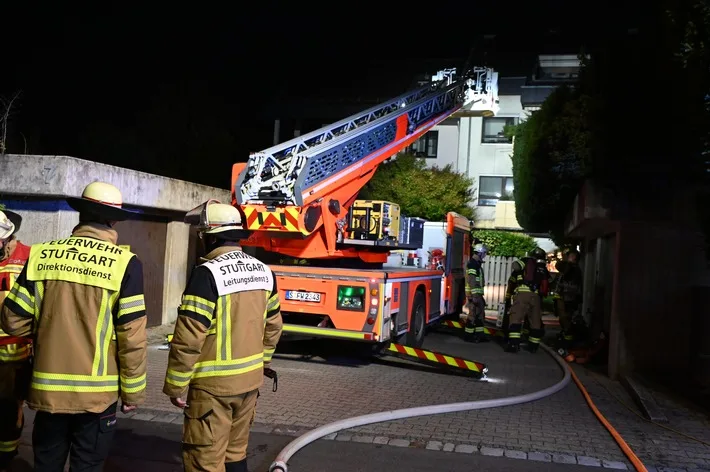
214,217
480,249
9,223
517,265
538,253
102,200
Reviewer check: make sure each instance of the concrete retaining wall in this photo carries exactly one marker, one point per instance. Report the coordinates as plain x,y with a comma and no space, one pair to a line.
36,186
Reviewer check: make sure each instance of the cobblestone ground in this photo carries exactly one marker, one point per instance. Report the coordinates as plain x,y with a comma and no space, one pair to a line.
652,443
325,386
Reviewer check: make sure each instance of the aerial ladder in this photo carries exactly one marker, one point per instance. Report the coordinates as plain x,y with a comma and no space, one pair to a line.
295,196
295,199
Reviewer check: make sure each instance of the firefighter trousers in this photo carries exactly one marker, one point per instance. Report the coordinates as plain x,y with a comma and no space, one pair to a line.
474,328
14,378
526,304
85,437
565,311
215,431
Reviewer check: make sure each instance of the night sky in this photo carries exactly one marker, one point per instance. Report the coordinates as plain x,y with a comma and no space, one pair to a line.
185,92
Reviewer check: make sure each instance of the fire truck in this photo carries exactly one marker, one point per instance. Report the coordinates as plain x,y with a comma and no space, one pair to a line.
328,250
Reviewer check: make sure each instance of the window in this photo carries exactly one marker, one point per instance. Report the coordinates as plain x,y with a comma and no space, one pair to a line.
426,146
493,130
491,190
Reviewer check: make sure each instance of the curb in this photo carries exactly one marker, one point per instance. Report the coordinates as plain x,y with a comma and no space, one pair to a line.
163,416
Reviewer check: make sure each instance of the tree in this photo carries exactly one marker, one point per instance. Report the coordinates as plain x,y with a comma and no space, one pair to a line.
583,133
422,192
551,156
5,111
504,243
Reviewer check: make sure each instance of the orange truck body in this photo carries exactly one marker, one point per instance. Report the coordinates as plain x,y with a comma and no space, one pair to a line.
389,307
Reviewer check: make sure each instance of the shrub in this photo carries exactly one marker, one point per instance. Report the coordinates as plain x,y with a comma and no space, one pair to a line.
504,243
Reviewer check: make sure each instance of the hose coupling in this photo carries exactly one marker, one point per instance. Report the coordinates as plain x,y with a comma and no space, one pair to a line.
278,466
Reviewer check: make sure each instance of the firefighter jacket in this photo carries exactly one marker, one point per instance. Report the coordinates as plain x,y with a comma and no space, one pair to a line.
81,300
515,280
475,280
11,265
540,282
227,327
568,285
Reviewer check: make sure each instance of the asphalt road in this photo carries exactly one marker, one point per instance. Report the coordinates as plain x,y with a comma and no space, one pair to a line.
143,445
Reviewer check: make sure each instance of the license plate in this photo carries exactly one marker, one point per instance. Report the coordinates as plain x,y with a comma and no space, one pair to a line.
303,296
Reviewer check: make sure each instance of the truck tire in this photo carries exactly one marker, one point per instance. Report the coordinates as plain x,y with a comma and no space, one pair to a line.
417,328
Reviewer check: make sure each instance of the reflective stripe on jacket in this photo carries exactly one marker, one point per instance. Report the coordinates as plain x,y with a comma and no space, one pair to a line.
227,327
475,280
82,301
10,269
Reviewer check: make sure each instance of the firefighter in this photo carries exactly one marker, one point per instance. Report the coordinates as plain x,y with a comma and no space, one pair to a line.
516,277
474,330
568,296
14,357
226,332
81,300
527,302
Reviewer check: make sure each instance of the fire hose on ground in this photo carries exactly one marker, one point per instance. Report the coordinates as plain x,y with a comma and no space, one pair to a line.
279,464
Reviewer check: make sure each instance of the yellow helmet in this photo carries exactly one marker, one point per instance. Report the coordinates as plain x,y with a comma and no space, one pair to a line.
100,199
214,217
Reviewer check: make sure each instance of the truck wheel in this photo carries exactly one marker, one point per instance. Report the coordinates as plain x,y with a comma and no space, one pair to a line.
415,335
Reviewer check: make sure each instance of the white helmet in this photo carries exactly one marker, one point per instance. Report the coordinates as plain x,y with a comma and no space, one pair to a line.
214,217
9,223
481,250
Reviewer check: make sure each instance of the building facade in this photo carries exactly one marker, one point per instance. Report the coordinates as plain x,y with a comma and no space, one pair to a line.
481,148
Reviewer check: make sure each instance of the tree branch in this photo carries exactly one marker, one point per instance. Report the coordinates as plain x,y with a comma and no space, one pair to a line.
4,117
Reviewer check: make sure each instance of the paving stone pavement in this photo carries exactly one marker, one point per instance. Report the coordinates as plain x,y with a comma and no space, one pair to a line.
326,386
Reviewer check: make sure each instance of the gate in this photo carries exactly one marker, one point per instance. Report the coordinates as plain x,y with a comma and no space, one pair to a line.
496,269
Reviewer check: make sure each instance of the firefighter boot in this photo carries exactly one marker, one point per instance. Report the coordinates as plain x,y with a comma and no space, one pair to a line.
469,332
560,342
5,460
240,466
513,345
479,332
534,339
525,333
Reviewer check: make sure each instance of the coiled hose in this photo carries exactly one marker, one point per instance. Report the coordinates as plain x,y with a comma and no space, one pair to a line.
279,464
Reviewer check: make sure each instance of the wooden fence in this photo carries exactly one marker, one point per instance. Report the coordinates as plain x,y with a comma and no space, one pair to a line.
496,270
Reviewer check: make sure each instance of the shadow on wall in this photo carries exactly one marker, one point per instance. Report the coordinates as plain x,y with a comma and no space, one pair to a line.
147,240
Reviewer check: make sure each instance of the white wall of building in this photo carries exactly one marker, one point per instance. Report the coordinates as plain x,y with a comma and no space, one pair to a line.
461,142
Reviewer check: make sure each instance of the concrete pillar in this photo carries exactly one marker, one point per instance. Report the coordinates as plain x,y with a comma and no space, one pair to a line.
175,270
42,220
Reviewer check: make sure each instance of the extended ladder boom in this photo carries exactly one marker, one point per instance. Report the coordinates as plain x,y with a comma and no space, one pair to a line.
286,174
307,184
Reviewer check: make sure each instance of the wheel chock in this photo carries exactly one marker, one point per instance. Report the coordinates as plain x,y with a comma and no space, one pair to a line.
453,324
491,331
437,359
